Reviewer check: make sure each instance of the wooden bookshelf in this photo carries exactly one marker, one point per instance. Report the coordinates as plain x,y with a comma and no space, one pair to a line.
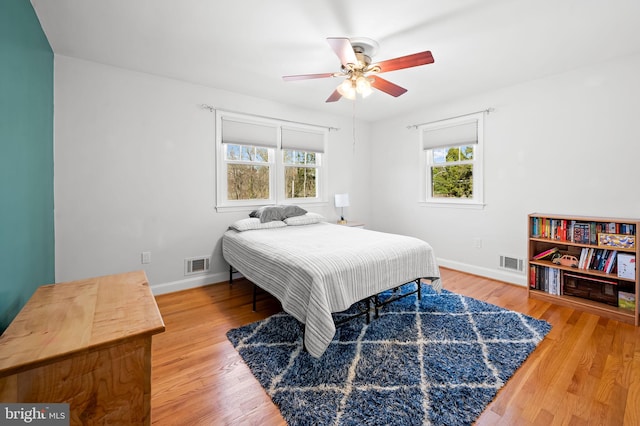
588,286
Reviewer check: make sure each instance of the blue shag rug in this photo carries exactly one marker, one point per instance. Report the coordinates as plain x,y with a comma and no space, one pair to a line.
435,361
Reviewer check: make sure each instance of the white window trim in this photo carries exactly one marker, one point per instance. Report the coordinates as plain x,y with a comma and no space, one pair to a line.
426,161
276,181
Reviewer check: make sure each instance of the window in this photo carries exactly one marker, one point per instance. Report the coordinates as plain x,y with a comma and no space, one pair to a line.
264,161
302,159
451,161
248,172
300,174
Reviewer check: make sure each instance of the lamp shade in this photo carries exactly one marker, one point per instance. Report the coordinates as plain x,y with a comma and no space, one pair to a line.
342,200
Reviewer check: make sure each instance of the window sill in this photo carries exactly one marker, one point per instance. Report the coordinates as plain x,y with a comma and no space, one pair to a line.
452,204
248,208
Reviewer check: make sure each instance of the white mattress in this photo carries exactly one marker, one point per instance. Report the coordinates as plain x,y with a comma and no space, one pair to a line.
321,268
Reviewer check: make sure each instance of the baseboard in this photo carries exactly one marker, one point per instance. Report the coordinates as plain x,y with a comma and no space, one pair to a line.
203,280
496,274
191,282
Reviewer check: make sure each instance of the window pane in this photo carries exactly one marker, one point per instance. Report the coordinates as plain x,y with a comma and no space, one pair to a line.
254,154
452,181
453,154
299,157
440,155
311,158
232,152
246,182
300,182
466,152
262,155
248,153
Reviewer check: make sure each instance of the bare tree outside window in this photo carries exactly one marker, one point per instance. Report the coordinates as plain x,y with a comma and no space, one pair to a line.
262,161
247,172
300,174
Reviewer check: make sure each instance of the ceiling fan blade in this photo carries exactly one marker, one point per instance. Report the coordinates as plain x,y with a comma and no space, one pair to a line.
335,96
306,76
387,87
417,59
344,50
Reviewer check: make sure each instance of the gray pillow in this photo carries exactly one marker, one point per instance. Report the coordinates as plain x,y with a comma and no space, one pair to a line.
268,213
271,213
293,211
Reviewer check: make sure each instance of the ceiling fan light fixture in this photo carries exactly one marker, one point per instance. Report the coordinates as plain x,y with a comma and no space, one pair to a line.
366,92
355,58
347,89
363,86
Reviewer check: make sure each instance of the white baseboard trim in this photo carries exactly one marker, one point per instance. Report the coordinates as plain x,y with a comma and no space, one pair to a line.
496,274
192,282
203,280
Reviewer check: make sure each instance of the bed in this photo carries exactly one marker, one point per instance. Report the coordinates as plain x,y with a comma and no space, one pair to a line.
315,268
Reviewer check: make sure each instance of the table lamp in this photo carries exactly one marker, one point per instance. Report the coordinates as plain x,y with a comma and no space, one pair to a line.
342,201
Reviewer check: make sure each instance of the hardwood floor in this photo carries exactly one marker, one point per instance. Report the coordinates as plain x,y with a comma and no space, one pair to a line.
586,371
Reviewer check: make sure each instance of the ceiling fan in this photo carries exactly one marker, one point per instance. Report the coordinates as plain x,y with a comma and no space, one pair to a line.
361,75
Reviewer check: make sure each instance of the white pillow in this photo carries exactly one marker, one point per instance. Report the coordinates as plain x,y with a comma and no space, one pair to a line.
254,223
305,219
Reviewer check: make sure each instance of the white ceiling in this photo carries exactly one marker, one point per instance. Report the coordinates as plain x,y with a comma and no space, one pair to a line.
246,46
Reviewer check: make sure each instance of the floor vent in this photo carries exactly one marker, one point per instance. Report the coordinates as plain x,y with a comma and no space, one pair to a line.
197,265
512,263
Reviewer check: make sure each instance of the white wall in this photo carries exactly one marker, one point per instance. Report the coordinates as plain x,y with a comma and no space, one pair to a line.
134,172
134,168
566,144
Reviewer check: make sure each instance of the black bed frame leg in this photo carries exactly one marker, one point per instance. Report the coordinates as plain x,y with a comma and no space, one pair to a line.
419,284
255,292
230,275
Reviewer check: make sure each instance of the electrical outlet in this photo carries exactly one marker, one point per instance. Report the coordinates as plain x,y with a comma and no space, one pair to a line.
146,257
477,243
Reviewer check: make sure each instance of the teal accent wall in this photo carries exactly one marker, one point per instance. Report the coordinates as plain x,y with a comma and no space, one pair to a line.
27,245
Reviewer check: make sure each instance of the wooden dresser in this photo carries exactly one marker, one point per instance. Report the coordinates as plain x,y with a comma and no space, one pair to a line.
86,343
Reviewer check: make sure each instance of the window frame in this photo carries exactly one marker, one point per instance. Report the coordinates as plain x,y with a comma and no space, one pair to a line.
427,163
271,163
317,166
276,163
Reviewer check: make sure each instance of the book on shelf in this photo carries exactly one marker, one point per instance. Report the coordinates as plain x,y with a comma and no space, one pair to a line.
546,253
590,257
626,265
626,300
611,263
545,279
584,256
532,276
554,281
598,259
603,260
580,232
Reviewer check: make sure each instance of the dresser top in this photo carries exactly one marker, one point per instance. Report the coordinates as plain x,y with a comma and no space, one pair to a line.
63,319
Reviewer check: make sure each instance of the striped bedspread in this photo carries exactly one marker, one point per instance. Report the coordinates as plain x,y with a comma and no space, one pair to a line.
321,268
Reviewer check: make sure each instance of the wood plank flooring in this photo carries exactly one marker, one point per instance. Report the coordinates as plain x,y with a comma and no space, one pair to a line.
585,372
